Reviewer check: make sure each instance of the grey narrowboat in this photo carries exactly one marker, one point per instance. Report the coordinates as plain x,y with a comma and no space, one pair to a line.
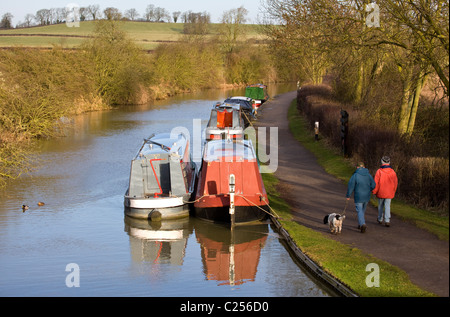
162,179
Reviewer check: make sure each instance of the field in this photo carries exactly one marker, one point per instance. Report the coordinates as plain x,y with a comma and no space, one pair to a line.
147,35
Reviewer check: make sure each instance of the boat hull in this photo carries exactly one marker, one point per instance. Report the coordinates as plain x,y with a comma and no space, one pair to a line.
161,208
242,214
155,209
217,208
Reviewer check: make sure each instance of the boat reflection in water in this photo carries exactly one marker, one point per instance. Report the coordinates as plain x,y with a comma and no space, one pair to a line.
230,257
158,242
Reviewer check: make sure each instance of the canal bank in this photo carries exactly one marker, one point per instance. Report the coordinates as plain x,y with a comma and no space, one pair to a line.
312,193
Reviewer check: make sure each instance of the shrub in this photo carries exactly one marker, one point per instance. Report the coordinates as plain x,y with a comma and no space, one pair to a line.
121,68
247,64
425,181
37,89
187,66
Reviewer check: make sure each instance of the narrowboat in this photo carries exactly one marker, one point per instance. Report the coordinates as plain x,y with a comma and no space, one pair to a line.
245,104
162,179
258,93
229,186
225,122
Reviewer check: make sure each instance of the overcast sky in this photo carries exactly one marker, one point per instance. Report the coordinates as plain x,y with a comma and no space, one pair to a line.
19,8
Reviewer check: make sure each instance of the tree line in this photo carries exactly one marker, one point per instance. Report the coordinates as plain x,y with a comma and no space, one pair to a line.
152,13
386,62
396,46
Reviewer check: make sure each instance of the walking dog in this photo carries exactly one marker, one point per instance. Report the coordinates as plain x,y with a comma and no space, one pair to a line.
335,221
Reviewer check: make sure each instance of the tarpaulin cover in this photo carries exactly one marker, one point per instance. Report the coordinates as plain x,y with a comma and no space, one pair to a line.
255,93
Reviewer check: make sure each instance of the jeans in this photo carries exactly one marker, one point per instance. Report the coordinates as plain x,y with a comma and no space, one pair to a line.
384,203
360,210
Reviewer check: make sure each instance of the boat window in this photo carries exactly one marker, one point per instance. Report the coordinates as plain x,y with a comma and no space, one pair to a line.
224,150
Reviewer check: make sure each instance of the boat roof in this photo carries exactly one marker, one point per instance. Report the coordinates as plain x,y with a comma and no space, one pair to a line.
257,91
226,105
258,85
240,98
229,150
169,143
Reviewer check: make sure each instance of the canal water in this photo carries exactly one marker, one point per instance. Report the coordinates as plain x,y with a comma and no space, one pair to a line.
80,243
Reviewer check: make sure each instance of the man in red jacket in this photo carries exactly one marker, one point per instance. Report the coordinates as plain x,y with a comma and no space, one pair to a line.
386,186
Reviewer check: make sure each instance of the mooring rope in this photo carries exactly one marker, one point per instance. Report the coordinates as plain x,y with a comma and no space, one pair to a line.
274,214
247,118
273,211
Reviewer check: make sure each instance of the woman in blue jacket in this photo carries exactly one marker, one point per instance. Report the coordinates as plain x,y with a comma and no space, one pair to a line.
361,184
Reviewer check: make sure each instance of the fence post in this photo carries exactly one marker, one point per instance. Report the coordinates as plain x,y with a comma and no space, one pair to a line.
344,131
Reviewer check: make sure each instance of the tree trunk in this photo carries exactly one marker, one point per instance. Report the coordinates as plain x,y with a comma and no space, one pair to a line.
359,83
420,81
405,108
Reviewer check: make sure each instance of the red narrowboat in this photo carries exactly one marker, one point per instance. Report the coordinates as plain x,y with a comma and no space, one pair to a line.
230,177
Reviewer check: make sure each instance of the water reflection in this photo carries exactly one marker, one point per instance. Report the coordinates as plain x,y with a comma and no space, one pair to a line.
158,242
230,257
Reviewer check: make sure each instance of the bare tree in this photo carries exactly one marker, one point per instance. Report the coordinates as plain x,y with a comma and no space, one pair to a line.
42,16
416,34
150,13
28,20
162,15
111,13
60,15
131,14
156,14
83,13
94,11
231,28
412,34
6,21
176,15
196,22
422,28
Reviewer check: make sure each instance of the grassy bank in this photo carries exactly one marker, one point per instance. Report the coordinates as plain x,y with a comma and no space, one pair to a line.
345,263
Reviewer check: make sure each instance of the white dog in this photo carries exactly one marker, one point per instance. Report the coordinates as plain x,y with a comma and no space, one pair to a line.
335,221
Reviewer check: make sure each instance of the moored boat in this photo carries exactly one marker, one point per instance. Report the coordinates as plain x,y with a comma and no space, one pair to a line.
162,179
245,105
258,93
225,122
230,177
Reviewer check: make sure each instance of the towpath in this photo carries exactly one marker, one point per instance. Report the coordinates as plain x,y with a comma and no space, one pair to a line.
312,193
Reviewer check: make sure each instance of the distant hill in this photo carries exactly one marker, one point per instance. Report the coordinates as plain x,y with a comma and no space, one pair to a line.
147,35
